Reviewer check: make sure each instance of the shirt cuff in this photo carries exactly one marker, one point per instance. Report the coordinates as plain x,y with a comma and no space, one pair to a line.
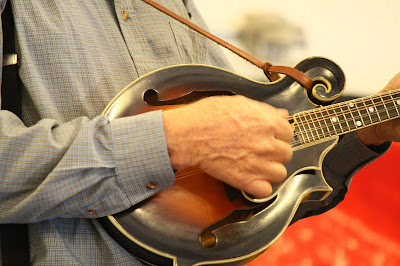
142,162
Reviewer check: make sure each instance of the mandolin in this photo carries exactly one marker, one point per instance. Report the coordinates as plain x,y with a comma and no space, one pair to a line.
200,220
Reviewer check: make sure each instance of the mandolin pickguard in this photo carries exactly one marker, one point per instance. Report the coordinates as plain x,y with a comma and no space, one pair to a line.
166,228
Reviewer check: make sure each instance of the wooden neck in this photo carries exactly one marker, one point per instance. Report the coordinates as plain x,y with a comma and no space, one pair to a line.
341,118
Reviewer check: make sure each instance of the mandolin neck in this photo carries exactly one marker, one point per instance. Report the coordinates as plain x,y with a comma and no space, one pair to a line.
341,118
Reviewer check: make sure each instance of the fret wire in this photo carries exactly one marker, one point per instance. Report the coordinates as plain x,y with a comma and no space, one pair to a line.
316,111
298,138
311,128
366,110
395,103
358,111
325,107
330,108
305,131
343,113
302,136
296,141
324,119
390,105
349,111
309,125
319,115
309,139
307,128
374,99
367,115
359,117
384,105
338,120
372,109
376,102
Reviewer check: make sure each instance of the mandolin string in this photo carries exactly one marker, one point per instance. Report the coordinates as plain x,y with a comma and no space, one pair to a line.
343,113
355,109
314,129
184,175
345,104
348,111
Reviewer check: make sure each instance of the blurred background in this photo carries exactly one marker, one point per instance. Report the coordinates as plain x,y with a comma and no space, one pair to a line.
361,37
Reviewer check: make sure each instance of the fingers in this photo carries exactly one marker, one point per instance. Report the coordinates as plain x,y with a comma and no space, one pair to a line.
393,84
274,172
278,120
258,183
284,130
272,149
388,131
259,189
237,140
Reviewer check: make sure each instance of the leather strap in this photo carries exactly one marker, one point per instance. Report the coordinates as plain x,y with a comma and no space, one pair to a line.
15,244
270,71
14,237
297,75
10,89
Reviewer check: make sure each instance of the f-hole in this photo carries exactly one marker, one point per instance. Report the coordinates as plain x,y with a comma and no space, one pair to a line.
207,237
151,97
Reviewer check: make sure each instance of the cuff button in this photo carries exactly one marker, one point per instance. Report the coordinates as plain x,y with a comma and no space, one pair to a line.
151,185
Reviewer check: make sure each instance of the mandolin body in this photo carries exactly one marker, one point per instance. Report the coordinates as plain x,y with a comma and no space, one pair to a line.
200,220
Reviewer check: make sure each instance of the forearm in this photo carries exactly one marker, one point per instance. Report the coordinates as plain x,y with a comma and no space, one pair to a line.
51,170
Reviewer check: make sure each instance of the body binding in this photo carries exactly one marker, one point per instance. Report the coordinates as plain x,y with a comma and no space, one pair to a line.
167,228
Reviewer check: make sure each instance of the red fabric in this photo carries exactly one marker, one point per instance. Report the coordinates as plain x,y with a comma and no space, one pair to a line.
362,230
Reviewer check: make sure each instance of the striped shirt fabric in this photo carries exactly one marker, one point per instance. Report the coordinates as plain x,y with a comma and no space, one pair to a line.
64,164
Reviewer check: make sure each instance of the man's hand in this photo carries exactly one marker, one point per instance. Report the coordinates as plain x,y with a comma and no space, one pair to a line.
388,131
234,139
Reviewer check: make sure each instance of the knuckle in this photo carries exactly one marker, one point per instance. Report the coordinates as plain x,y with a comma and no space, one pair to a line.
282,172
278,173
287,153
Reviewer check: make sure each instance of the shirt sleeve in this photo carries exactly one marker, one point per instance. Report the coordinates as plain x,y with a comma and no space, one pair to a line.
339,166
83,168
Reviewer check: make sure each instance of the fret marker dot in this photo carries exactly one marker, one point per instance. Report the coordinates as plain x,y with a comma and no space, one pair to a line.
398,102
371,109
334,119
358,123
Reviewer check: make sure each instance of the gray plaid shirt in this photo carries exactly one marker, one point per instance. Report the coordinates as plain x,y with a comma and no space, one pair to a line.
66,164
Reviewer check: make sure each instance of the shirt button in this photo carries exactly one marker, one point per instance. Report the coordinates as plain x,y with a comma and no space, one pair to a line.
152,185
125,16
91,212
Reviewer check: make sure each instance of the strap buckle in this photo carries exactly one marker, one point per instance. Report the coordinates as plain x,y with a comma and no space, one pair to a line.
10,59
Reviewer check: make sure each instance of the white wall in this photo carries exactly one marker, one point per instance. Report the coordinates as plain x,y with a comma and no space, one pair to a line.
361,36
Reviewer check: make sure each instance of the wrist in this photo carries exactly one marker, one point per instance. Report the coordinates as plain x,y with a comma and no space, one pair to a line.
176,139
